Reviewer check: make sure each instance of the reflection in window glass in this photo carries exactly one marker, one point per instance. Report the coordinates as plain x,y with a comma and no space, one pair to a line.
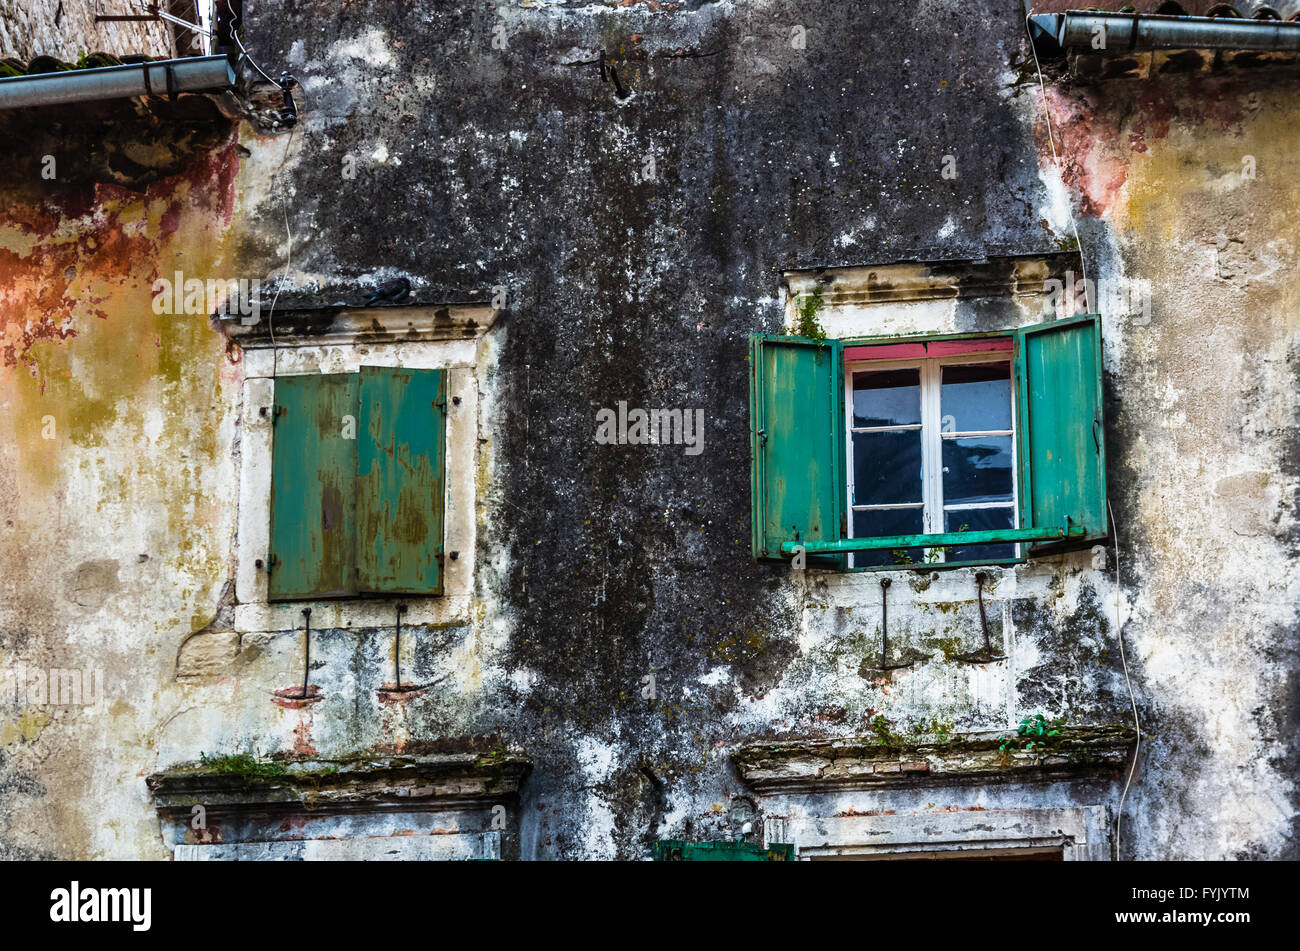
977,469
887,467
887,398
979,520
976,397
874,523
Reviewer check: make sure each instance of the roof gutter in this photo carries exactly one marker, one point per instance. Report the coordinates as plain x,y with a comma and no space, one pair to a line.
169,76
1056,32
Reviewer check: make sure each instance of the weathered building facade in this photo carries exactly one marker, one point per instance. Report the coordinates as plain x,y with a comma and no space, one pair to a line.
560,217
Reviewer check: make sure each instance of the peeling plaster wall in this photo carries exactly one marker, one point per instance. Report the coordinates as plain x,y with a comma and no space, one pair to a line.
428,153
1202,404
116,485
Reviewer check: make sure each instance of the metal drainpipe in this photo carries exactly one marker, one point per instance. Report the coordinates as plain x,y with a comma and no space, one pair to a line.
168,76
1132,31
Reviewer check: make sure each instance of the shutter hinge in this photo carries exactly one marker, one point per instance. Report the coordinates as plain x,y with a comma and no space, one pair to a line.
271,562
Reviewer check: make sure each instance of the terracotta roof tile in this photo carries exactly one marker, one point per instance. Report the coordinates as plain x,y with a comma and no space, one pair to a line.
48,64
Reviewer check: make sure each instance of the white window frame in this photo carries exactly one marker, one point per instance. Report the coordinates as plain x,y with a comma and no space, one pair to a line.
933,507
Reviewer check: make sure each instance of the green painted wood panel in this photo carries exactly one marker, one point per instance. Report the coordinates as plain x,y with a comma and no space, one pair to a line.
676,850
798,478
313,487
400,480
1062,433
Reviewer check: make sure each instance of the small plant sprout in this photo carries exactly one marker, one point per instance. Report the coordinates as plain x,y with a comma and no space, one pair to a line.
1032,733
808,325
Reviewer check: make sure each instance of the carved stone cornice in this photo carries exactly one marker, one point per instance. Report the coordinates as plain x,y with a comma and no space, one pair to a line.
364,784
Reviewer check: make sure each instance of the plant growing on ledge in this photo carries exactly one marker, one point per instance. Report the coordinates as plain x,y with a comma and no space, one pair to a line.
933,731
242,764
922,732
1032,733
884,733
808,325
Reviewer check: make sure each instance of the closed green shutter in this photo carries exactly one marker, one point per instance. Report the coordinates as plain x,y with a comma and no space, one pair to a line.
313,487
400,480
1062,435
796,444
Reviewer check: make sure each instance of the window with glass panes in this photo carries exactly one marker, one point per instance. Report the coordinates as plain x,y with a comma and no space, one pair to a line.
883,452
931,448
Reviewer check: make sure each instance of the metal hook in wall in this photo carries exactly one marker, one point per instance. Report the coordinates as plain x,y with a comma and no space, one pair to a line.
397,647
394,689
397,687
306,649
884,630
985,656
306,693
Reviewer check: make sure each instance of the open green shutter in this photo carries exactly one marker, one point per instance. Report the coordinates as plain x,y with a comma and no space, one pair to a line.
796,395
313,487
1062,435
400,479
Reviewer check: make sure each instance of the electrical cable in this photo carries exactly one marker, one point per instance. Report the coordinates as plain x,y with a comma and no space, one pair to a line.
244,54
284,200
1119,627
243,50
1137,728
284,206
196,28
1051,139
288,251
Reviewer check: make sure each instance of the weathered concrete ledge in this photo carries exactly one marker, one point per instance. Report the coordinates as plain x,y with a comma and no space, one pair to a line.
382,323
933,280
434,781
873,762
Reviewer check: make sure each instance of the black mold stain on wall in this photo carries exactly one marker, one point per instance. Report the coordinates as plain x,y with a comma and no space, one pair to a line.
523,168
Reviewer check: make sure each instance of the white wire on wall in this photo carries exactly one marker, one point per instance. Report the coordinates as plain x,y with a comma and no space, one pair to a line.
1119,626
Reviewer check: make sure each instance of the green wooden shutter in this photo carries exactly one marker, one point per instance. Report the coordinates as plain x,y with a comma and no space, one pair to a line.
313,487
677,850
1062,435
797,471
400,479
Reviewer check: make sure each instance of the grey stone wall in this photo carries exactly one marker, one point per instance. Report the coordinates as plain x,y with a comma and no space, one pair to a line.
65,29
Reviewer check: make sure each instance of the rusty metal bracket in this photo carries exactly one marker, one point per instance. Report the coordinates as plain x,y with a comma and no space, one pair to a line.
396,689
399,687
884,630
306,649
397,647
985,656
151,16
